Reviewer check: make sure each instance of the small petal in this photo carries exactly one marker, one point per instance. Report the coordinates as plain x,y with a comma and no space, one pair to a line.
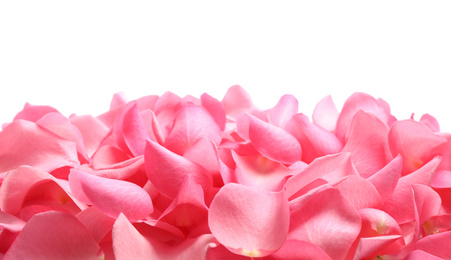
325,114
283,111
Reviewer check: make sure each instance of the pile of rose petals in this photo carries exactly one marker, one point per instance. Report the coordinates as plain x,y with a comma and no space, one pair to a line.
165,177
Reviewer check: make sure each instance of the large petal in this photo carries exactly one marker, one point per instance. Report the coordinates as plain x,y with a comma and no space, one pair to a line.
191,123
437,245
327,220
26,143
167,170
115,196
274,142
368,144
249,221
53,235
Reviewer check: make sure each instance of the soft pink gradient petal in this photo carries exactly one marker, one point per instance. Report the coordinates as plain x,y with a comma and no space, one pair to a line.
376,222
53,235
282,112
166,108
400,205
430,122
371,247
327,220
119,171
356,102
97,223
215,108
10,222
386,179
191,123
167,170
249,221
115,196
298,250
26,143
330,168
368,144
274,142
33,113
414,141
315,141
427,202
437,245
359,192
92,130
325,114
237,101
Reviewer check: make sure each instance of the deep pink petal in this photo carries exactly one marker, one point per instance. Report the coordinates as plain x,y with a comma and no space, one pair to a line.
371,247
368,144
282,112
427,202
291,251
237,101
26,143
356,102
273,142
10,222
400,205
325,114
215,108
167,170
324,217
191,123
376,222
419,254
359,192
386,179
249,221
315,141
53,235
330,168
115,196
414,141
437,245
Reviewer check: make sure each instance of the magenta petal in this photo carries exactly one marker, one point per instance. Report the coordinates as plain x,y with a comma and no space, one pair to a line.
325,114
191,123
115,196
283,111
368,144
400,205
26,143
324,217
274,142
53,235
386,179
315,141
249,221
167,170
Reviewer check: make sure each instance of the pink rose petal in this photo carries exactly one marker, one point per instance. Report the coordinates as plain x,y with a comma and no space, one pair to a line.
280,114
325,114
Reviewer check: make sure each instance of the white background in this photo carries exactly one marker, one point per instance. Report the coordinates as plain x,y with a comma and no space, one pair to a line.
74,55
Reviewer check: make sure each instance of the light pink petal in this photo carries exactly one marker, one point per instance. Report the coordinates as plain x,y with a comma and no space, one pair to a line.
258,171
92,130
400,205
386,179
26,143
62,127
441,179
115,196
325,114
53,235
166,108
356,102
280,114
427,202
215,108
291,251
330,168
371,247
419,254
324,217
249,221
191,123
10,222
97,223
414,141
430,122
368,144
274,142
128,243
359,192
118,100
315,141
119,171
437,245
237,101
167,170
188,209
33,113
